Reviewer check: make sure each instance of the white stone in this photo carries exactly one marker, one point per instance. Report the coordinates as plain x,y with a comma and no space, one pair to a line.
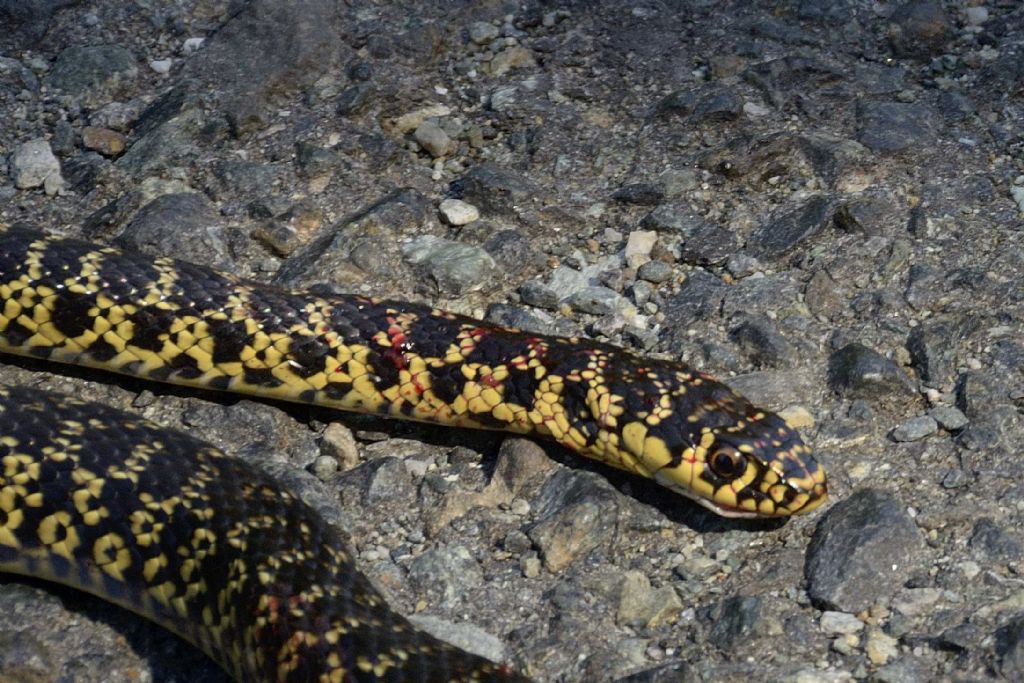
638,247
976,16
34,165
457,212
1017,192
161,66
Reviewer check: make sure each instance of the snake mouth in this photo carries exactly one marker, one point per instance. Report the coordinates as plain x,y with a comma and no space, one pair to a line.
716,507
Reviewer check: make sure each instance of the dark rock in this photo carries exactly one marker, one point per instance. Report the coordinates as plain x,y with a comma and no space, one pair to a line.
762,342
16,77
83,170
452,267
353,99
673,672
862,551
825,11
447,574
895,126
718,106
507,315
949,418
679,103
512,250
704,244
25,21
782,79
699,298
577,513
264,49
925,286
978,391
239,185
95,74
536,293
643,194
162,110
954,106
856,371
655,271
390,481
915,429
783,232
734,620
185,225
919,28
24,658
995,544
865,215
960,638
822,295
760,295
495,190
315,161
932,346
363,240
1010,648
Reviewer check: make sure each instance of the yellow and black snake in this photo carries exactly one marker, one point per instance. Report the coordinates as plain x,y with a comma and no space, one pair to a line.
168,526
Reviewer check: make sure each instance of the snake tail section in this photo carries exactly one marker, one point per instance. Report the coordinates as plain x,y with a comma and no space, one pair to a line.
204,545
167,320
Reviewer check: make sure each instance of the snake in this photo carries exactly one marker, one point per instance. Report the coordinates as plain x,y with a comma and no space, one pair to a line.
170,527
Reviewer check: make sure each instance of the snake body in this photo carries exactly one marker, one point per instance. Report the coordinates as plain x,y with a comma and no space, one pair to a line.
204,544
167,320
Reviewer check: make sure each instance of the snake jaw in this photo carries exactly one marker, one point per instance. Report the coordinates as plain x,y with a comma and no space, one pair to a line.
718,508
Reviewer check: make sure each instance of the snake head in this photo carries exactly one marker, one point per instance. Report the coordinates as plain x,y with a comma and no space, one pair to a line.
755,467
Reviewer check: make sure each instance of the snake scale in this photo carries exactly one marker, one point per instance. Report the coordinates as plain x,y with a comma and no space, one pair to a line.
173,529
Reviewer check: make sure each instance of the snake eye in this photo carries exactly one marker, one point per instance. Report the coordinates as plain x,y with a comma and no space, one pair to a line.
727,463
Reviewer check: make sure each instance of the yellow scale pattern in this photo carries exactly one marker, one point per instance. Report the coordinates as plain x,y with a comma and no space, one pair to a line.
204,545
177,322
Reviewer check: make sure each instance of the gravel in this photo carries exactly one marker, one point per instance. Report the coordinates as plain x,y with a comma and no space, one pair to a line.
818,201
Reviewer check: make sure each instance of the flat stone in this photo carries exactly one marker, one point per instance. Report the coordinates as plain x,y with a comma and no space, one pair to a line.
454,266
642,194
783,232
916,428
949,418
895,126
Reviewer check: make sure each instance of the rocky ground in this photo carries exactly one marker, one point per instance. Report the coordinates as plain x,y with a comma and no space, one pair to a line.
817,200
